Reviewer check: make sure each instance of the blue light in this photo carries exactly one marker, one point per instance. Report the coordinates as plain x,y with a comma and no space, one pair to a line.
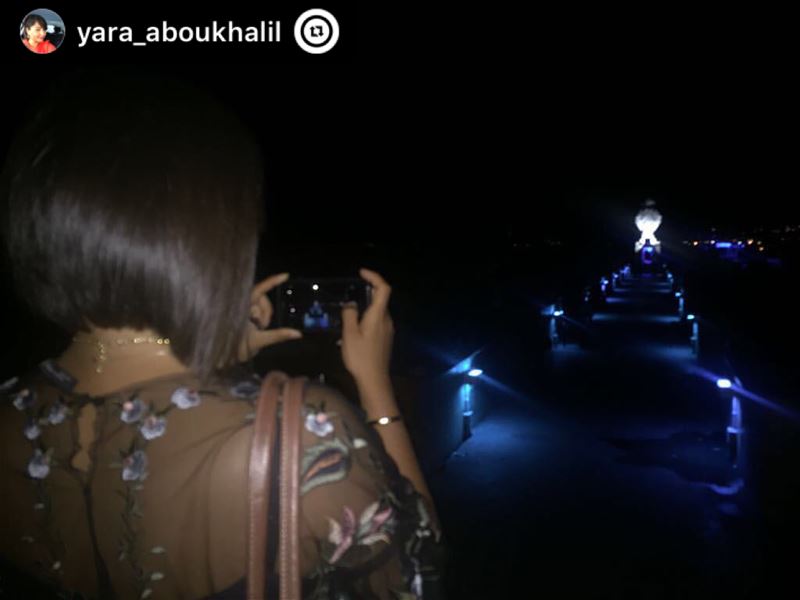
475,373
724,384
462,367
465,392
465,366
678,294
558,313
723,244
690,317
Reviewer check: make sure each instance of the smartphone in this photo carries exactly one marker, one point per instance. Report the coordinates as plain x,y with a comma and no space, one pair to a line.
314,305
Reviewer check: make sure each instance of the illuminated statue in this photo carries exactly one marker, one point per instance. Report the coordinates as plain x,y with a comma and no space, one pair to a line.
648,221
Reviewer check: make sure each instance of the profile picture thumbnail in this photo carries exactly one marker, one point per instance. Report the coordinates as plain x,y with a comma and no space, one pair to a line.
42,31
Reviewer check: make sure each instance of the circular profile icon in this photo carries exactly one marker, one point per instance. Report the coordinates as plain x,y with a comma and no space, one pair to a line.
42,31
316,31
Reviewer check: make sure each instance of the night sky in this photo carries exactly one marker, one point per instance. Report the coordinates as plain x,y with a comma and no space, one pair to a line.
566,141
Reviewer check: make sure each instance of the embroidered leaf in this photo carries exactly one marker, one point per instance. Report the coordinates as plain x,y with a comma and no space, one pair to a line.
146,594
423,512
347,542
334,537
326,466
358,443
349,521
374,538
9,384
158,550
381,518
157,576
366,517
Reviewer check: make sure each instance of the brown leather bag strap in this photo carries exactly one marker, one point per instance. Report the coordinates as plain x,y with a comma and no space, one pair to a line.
259,478
291,447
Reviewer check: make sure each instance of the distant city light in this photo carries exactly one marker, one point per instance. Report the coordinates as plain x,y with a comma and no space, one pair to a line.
690,317
695,243
723,244
315,287
558,313
475,373
749,242
724,384
678,294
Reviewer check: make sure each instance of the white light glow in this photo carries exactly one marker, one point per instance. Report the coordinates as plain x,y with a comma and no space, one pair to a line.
724,384
315,287
475,373
648,221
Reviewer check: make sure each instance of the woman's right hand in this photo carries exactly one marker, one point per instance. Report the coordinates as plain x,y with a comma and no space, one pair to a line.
367,344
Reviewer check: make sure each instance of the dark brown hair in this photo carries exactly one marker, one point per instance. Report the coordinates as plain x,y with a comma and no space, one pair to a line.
31,20
136,201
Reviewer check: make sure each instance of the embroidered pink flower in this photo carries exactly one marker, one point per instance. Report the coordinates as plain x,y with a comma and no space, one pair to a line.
153,427
57,414
39,465
32,430
185,398
132,410
134,467
23,399
319,424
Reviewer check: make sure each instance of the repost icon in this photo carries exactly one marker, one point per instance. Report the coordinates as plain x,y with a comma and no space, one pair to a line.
316,31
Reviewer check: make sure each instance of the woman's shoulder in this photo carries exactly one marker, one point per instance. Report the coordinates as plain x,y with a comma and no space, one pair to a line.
48,380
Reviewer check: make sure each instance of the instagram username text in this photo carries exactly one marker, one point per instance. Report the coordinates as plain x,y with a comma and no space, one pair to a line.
225,33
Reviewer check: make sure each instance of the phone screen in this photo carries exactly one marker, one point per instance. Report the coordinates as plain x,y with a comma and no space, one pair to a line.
315,305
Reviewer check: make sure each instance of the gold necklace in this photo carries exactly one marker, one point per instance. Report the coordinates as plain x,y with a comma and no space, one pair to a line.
100,346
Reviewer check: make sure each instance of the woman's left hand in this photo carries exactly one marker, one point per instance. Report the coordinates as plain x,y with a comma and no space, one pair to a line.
257,335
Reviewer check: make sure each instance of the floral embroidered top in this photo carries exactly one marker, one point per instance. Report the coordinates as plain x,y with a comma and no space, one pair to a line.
143,493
